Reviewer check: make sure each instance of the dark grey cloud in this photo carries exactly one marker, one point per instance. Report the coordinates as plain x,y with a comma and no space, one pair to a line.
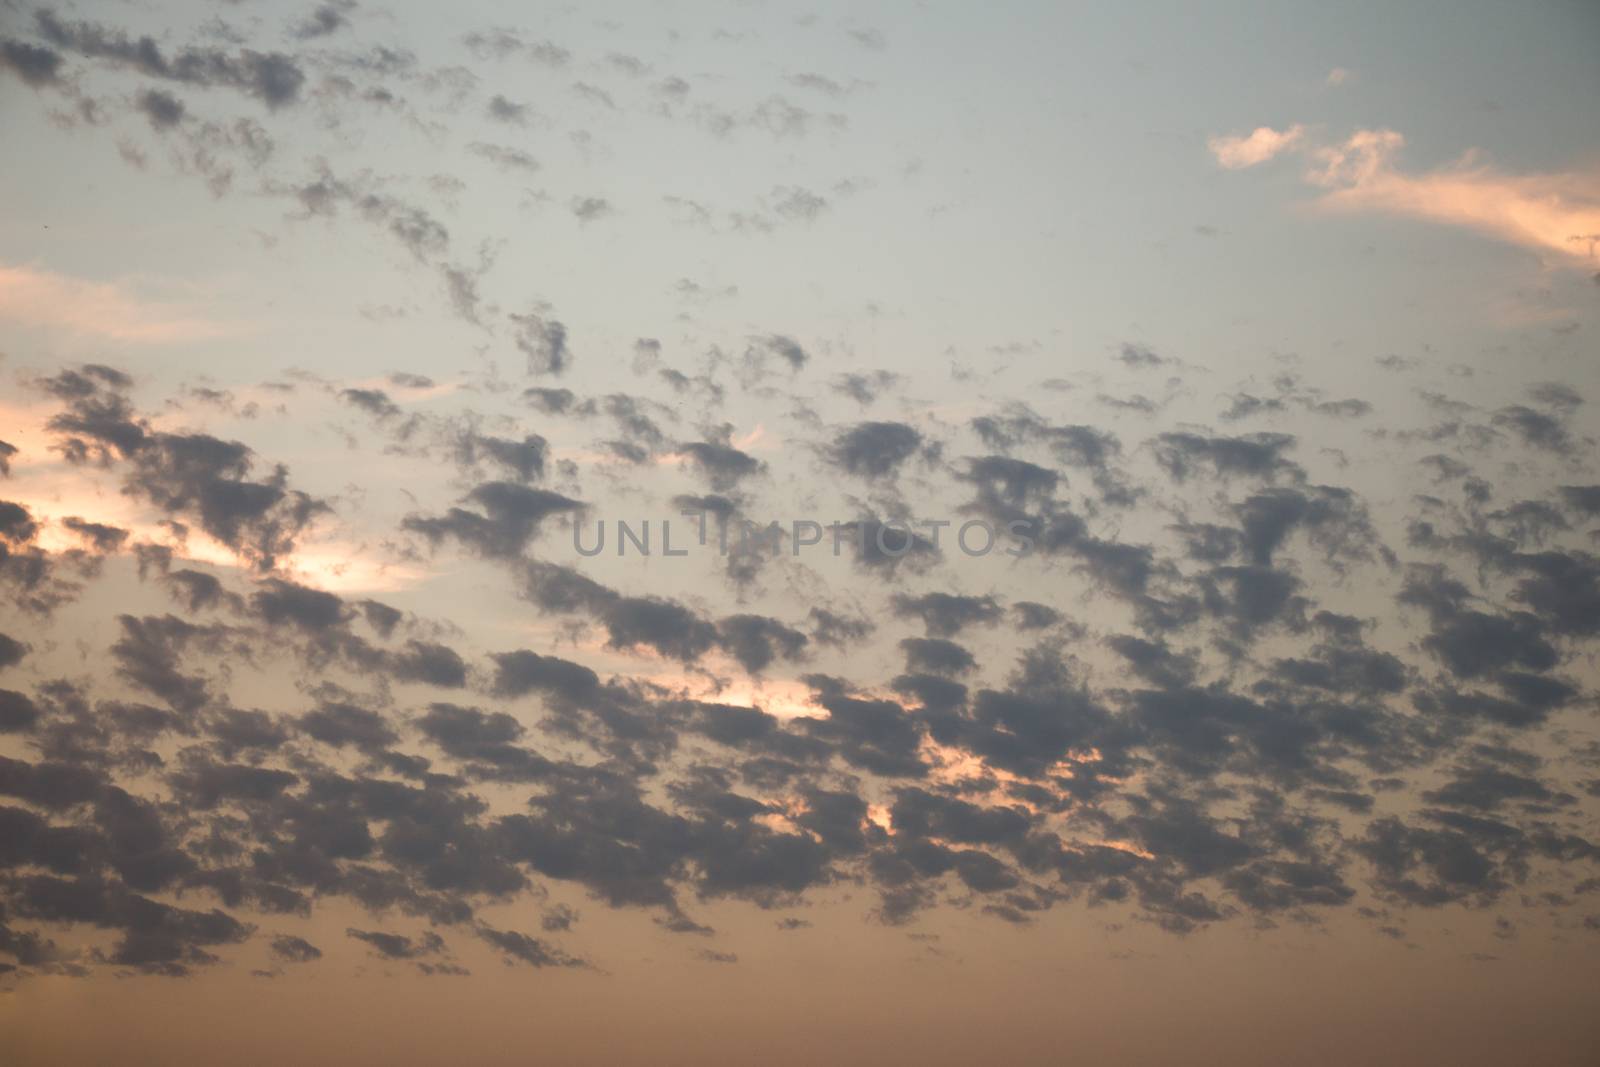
278,601
12,651
875,449
1076,446
18,713
524,458
195,590
520,948
501,44
506,158
346,724
884,547
1253,455
1139,356
511,517
1008,488
756,641
504,110
762,350
325,19
543,341
590,208
946,614
399,946
36,66
1537,429
374,402
98,536
870,734
1334,519
723,465
865,389
550,401
291,949
196,477
149,656
162,109
485,743
840,631
1034,616
429,662
663,625
271,77
936,655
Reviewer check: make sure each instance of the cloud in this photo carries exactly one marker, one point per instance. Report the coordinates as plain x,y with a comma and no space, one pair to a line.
273,78
508,159
520,948
34,65
512,516
1258,146
1552,213
874,449
1557,213
293,949
41,298
1186,764
544,342
590,208
326,19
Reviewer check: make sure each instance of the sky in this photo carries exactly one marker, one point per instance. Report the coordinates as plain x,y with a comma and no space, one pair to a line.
700,533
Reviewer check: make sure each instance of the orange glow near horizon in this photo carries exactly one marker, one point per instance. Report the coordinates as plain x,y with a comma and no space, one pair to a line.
45,299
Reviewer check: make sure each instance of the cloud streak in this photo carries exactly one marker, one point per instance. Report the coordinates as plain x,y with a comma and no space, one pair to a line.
110,310
1556,214
1551,213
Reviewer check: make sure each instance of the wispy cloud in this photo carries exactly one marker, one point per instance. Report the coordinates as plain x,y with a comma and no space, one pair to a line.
111,310
1554,213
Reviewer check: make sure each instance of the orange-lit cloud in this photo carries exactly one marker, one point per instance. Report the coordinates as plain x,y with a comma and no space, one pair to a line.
1258,146
333,562
54,490
1552,213
784,698
45,299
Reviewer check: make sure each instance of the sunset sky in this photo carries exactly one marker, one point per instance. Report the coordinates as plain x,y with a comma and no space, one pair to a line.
1134,585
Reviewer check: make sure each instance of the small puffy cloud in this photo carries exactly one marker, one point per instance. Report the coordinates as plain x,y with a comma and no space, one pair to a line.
1258,146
